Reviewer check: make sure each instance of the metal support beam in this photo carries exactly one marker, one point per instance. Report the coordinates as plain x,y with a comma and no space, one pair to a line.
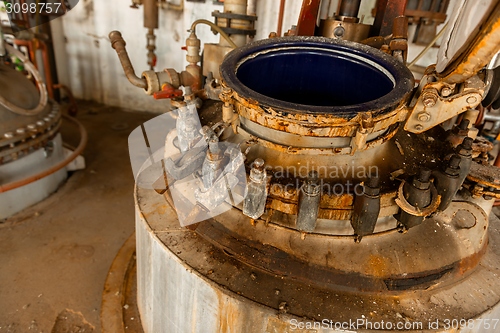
387,11
308,16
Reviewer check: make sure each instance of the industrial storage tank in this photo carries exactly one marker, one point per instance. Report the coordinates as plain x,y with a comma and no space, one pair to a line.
310,186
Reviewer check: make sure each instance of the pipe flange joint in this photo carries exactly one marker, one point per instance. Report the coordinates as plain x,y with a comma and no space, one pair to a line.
153,83
173,77
416,211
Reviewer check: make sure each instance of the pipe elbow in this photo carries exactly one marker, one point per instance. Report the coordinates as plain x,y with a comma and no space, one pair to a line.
118,44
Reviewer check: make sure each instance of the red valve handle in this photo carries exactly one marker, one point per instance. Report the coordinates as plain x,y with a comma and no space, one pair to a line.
167,92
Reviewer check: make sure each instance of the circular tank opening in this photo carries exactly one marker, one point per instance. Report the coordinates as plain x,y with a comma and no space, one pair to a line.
315,77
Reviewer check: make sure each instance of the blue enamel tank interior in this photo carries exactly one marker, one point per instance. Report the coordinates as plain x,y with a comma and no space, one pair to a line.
314,77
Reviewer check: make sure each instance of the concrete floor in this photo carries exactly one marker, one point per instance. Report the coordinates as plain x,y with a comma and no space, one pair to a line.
55,256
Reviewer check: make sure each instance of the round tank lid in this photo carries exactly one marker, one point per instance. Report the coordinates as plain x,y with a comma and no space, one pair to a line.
317,75
20,91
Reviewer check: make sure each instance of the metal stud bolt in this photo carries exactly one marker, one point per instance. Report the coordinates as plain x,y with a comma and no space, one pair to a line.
424,116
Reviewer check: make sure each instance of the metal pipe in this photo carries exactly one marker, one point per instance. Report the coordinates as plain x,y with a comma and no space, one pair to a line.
151,14
81,146
118,43
47,68
280,17
216,28
386,11
309,11
491,117
151,18
427,48
349,8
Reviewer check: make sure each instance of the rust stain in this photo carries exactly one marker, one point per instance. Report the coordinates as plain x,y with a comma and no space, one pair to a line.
482,50
274,325
228,314
332,207
472,261
322,125
377,266
161,209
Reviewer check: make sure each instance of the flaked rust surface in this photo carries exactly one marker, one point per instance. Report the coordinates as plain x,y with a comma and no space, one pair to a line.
391,132
316,125
485,175
480,51
332,207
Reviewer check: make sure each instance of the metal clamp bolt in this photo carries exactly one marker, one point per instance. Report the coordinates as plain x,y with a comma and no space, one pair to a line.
446,91
424,116
429,97
471,100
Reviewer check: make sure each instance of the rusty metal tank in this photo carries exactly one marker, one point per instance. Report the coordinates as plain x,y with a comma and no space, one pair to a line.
347,227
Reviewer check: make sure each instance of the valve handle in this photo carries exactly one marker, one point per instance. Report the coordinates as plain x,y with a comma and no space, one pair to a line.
167,92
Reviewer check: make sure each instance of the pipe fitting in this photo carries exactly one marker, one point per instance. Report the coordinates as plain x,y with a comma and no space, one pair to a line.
430,97
192,77
309,199
448,181
118,44
152,81
366,209
171,77
193,45
418,194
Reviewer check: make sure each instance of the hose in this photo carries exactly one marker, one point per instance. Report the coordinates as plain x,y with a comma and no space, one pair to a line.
81,146
427,48
41,86
216,28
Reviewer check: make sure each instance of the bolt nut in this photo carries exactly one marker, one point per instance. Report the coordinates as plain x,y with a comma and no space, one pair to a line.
339,32
8,135
419,127
258,164
424,116
471,100
446,91
429,97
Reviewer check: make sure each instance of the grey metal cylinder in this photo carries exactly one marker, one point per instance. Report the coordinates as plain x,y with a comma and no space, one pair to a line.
349,8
